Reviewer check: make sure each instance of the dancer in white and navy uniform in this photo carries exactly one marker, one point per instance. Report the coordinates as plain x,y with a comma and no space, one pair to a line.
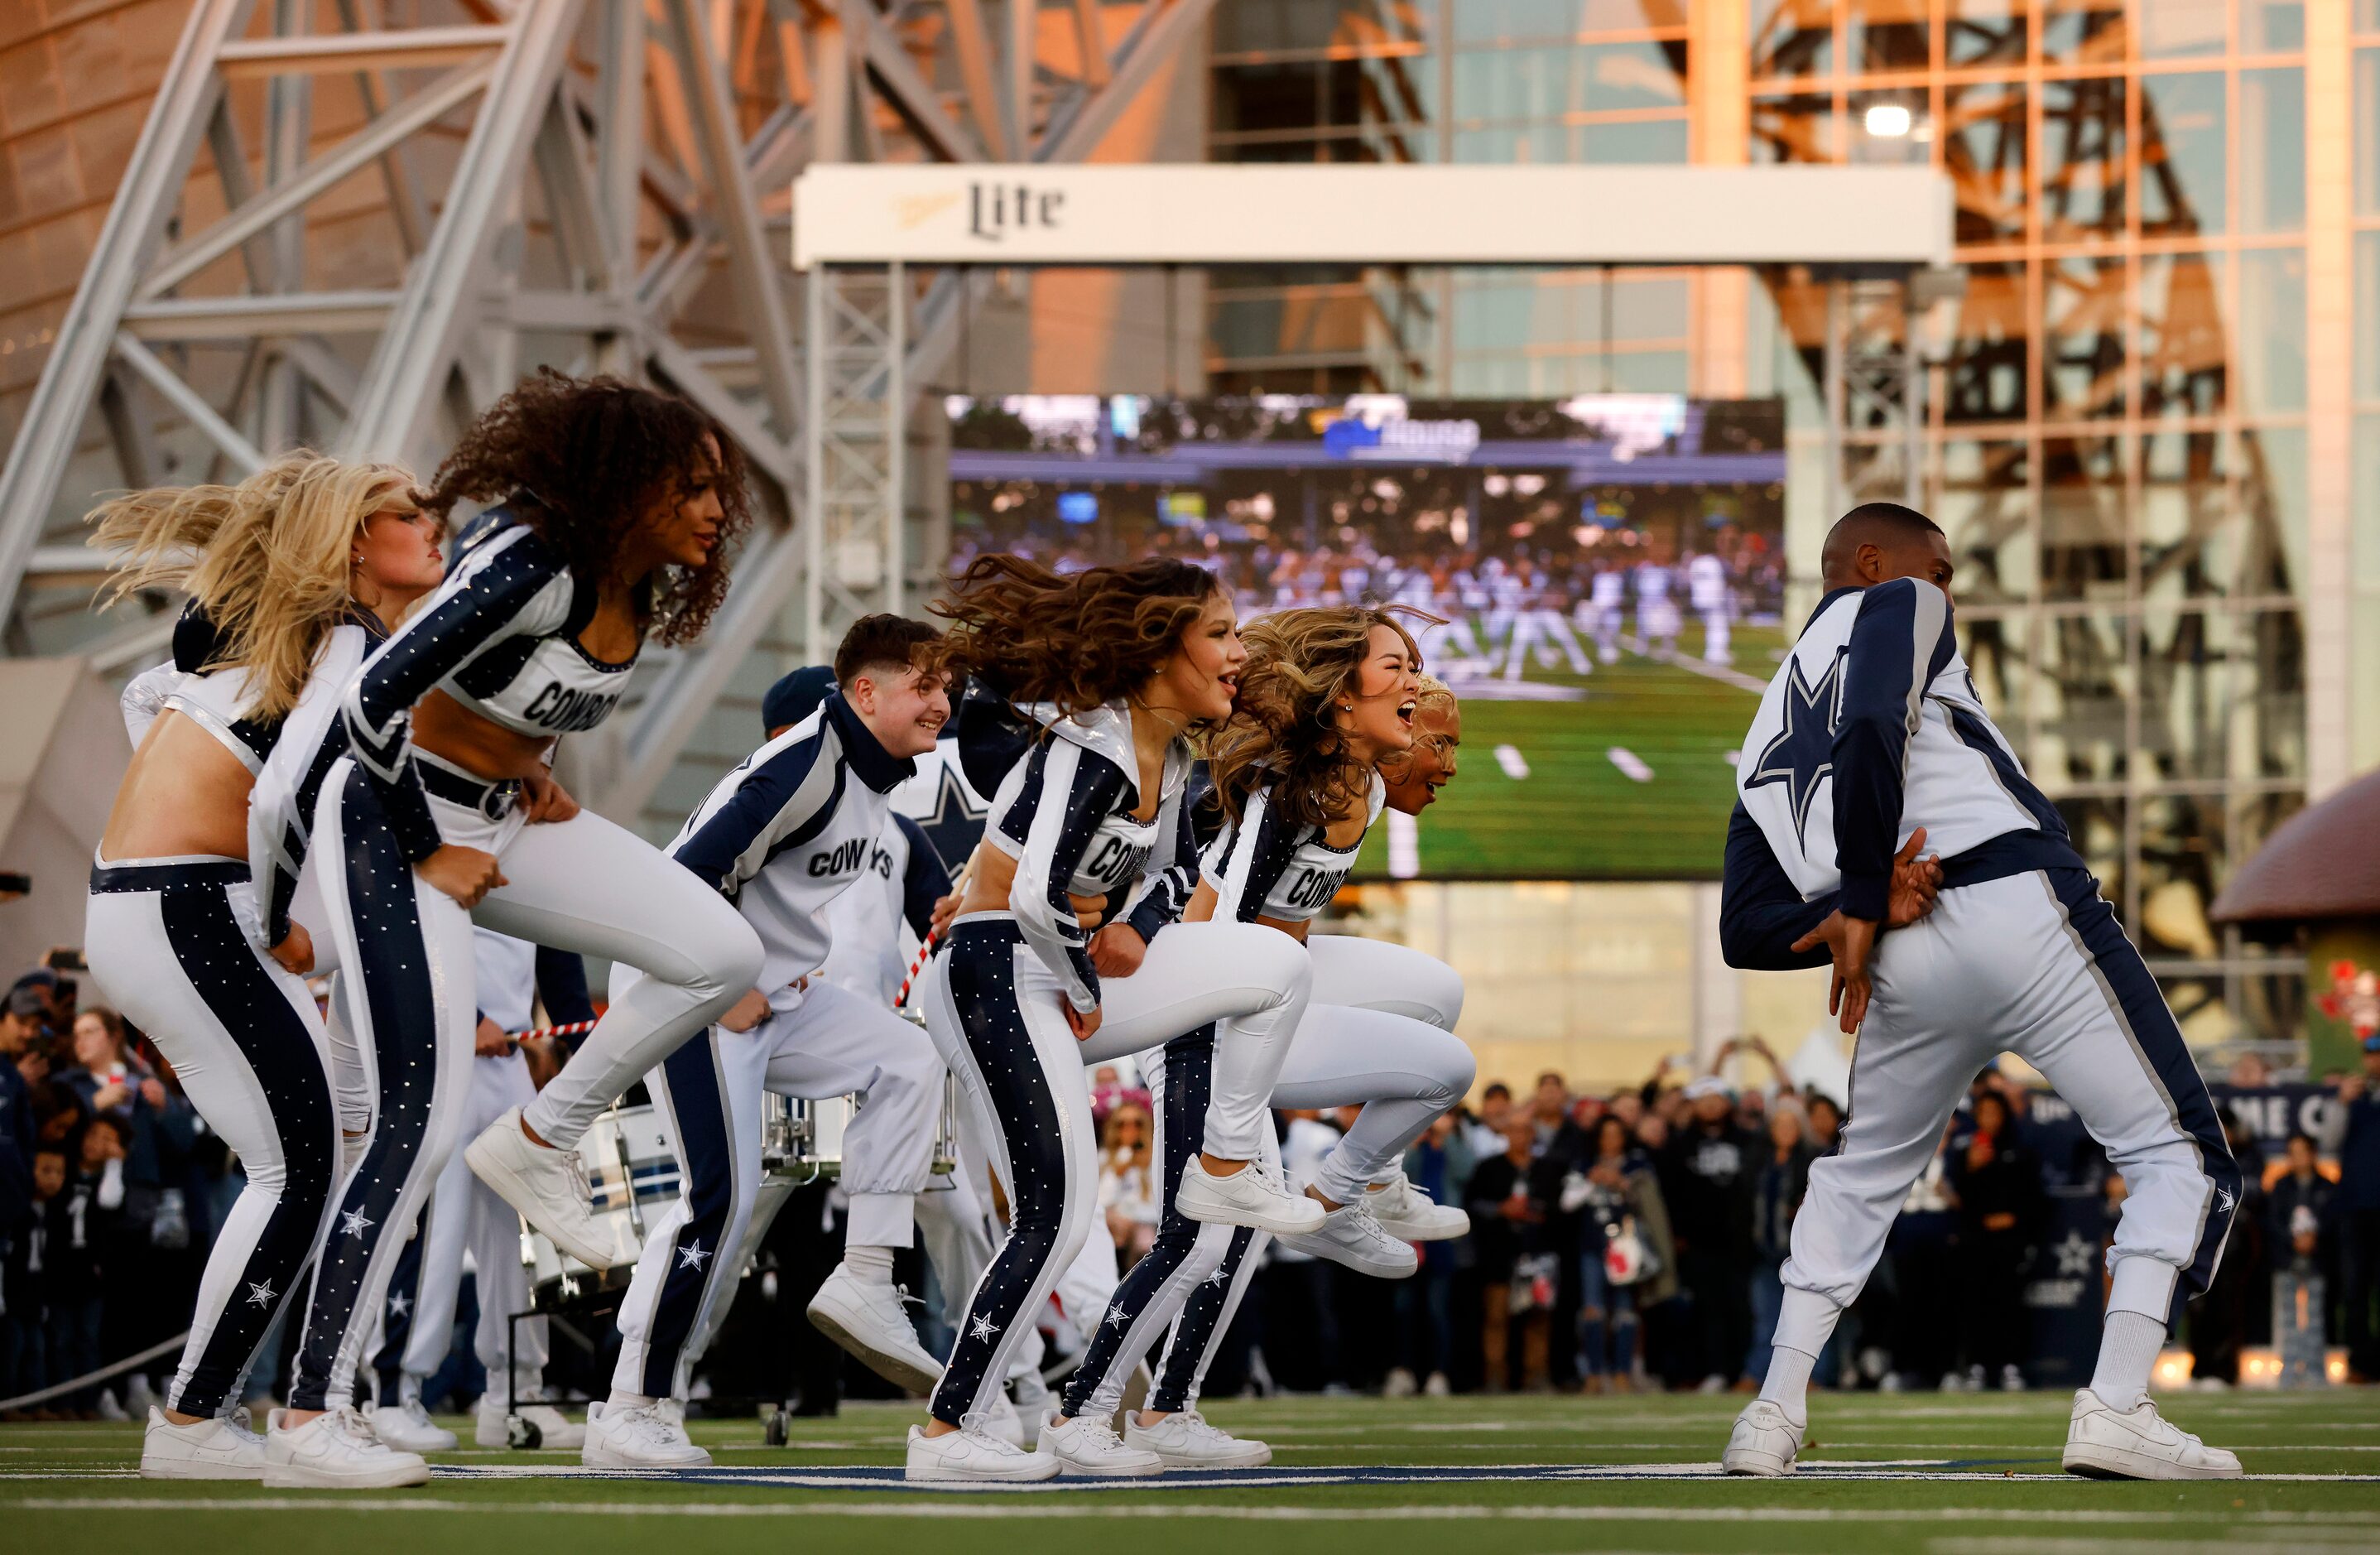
417,1316
1383,1040
780,837
617,502
1870,741
292,575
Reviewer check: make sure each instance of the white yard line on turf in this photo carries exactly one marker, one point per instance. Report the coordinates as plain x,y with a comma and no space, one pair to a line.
2302,1522
1670,656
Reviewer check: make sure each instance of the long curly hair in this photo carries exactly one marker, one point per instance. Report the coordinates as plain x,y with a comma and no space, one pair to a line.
268,561
1281,730
1078,640
582,460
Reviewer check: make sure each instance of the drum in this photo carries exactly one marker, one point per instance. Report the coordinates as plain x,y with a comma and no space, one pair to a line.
801,1141
633,1178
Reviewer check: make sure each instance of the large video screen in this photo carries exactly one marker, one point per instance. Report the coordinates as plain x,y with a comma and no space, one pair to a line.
1608,567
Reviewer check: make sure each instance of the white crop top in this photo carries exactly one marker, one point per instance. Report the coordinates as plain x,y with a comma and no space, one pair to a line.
1267,866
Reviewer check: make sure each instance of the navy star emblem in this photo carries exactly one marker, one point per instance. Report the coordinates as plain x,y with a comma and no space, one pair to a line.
955,822
1115,1317
354,1222
260,1295
692,1255
1804,750
399,1305
1218,1278
985,1327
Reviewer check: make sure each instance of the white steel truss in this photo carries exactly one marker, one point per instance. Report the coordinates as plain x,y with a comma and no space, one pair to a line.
352,223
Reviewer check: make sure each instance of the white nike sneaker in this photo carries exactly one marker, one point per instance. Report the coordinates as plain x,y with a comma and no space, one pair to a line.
973,1452
219,1449
1254,1195
1005,1421
1034,1401
1350,1236
638,1437
1764,1443
556,1430
335,1450
1185,1441
408,1428
1087,1444
867,1320
548,1188
2103,1444
110,1408
1410,1215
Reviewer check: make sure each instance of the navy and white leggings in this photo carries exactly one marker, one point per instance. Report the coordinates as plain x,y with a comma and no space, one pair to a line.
170,947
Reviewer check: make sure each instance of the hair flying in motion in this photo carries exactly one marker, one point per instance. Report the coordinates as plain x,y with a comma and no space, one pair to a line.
1077,641
270,562
1282,732
585,459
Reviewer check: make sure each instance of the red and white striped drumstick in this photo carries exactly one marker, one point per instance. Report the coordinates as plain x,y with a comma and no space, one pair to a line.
572,1028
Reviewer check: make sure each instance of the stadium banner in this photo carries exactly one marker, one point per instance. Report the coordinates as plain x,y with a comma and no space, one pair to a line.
1605,571
1882,217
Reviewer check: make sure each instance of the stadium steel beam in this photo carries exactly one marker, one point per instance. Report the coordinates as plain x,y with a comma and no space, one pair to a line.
351,226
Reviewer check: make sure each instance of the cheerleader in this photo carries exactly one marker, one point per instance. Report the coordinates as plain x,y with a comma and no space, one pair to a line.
1117,666
291,573
1328,697
615,505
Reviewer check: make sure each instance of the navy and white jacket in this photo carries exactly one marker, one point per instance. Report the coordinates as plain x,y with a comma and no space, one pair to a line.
1871,728
1266,864
1064,812
501,637
787,830
904,879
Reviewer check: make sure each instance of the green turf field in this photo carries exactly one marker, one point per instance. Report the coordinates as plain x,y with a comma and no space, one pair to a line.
1578,814
1910,1474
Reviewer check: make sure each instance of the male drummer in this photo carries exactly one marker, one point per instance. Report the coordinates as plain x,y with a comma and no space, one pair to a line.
781,836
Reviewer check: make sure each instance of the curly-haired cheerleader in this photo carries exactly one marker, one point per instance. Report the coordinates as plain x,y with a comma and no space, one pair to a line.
292,575
615,505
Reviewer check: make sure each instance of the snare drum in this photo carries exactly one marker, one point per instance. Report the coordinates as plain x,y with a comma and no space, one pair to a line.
633,1178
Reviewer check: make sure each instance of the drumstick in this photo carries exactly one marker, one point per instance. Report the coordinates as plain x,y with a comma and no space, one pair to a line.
933,931
571,1028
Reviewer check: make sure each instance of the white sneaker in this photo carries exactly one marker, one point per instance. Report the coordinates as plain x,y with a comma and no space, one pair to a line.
1254,1195
638,1436
1034,1401
548,1188
218,1449
139,1397
867,1320
1402,1384
1351,1236
408,1428
1005,1421
1087,1444
556,1430
335,1450
2102,1444
973,1452
1437,1386
2012,1379
109,1409
1406,1212
1185,1441
1765,1442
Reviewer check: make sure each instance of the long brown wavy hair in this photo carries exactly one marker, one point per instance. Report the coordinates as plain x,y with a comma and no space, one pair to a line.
268,560
1078,640
582,460
1281,730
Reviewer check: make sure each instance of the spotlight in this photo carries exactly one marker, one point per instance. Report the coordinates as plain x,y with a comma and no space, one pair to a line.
1889,121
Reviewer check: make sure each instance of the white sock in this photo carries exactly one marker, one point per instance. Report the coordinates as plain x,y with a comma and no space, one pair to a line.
1788,1383
873,1265
627,1401
2128,1352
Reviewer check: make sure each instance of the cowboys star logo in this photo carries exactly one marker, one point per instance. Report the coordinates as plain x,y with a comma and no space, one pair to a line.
1804,750
983,1327
399,1305
1217,1279
355,1223
692,1255
260,1295
1115,1317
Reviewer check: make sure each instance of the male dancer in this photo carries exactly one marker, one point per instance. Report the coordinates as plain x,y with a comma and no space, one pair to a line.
781,836
1872,732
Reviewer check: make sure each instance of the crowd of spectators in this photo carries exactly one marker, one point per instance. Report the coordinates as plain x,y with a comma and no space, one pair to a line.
110,1186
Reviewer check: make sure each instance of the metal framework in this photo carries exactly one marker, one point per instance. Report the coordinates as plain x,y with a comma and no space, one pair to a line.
352,223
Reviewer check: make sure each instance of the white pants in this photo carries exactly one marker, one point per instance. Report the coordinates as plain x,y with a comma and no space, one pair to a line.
464,1213
1716,619
826,1041
169,946
2033,964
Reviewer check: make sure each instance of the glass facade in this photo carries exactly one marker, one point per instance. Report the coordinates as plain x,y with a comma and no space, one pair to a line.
2127,434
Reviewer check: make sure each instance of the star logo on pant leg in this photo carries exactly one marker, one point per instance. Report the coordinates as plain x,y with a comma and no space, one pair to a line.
399,1305
1115,1317
692,1256
353,1223
983,1327
2225,1200
1217,1278
260,1295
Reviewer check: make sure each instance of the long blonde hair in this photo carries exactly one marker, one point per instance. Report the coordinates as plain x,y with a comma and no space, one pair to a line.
269,560
1281,730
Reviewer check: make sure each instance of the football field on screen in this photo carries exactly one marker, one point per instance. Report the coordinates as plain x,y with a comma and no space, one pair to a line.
1632,781
1912,1473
